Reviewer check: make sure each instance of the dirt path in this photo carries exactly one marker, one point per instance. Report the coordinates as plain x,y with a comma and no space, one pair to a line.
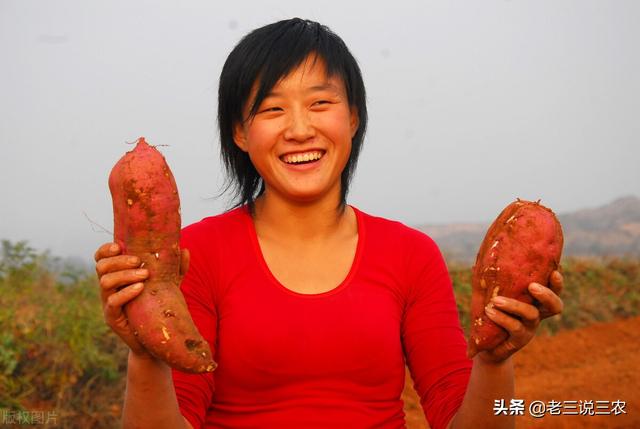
598,363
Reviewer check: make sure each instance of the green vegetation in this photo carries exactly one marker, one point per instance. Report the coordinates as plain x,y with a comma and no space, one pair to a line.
57,354
595,290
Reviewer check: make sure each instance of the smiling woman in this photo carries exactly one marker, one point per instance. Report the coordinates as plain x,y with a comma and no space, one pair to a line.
312,307
299,138
252,74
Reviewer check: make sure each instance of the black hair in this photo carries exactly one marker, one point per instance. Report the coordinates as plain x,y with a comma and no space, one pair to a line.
265,56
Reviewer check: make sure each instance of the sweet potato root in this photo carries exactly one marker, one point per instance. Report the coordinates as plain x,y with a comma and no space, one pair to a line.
146,210
523,245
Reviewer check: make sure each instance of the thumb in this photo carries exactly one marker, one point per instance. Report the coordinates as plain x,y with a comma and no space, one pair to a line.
185,257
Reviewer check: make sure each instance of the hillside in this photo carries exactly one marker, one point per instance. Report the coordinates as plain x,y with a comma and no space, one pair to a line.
609,230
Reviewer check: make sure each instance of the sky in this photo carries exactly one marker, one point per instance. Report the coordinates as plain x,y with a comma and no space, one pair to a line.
471,104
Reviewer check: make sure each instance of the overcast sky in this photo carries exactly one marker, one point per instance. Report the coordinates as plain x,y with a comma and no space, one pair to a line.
472,104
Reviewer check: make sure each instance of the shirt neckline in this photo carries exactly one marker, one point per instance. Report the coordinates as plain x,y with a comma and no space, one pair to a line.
273,280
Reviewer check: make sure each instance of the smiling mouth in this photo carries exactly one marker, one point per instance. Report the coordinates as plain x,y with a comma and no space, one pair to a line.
302,157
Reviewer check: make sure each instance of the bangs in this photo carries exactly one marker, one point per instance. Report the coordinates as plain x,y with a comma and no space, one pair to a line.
285,50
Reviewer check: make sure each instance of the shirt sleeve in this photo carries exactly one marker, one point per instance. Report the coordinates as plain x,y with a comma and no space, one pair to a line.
195,391
433,339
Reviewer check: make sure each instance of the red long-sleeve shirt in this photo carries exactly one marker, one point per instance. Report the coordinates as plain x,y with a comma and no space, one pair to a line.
329,360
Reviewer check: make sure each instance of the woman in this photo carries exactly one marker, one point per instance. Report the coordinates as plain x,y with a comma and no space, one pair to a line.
312,307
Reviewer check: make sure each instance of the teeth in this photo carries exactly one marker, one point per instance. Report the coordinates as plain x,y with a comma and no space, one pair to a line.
302,157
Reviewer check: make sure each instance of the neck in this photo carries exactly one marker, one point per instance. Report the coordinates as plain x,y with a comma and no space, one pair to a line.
276,218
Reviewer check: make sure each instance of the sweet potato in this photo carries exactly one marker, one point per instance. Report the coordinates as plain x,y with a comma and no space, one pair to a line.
523,245
146,210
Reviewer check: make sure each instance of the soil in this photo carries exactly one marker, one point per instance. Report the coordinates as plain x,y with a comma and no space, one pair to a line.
595,363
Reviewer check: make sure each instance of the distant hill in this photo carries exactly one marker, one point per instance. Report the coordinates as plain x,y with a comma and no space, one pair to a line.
609,230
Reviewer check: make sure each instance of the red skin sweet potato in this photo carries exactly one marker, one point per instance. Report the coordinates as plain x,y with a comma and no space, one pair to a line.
523,245
146,211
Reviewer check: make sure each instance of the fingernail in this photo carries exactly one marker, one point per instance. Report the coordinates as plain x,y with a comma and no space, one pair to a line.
141,273
133,260
113,248
536,287
490,311
498,300
137,286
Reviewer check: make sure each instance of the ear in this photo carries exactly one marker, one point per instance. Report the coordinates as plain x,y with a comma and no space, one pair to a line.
239,136
354,121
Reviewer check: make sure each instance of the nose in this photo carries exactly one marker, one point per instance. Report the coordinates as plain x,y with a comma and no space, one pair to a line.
299,127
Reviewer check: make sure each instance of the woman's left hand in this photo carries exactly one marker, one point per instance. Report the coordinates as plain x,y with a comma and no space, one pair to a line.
520,319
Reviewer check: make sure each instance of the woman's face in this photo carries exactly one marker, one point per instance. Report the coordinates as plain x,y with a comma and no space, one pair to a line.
300,138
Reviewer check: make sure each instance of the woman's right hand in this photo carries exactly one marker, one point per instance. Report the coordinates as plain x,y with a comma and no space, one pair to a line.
121,280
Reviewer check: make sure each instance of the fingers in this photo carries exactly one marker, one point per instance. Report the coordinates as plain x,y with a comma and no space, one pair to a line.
116,263
115,317
521,329
117,279
550,303
107,250
556,282
520,319
519,334
119,270
527,313
115,301
121,280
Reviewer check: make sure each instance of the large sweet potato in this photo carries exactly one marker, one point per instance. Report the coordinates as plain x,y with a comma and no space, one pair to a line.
523,245
146,210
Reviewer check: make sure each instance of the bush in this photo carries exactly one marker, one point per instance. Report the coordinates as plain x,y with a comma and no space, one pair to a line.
56,352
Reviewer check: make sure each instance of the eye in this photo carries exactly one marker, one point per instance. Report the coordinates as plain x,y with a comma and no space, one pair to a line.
270,109
321,105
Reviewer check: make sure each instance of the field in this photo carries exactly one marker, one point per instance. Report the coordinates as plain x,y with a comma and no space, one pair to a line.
60,364
597,362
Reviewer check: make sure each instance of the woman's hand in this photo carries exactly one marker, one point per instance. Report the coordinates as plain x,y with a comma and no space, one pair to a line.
121,279
520,319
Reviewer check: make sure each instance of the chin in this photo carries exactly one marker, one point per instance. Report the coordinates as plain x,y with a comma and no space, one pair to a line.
307,196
